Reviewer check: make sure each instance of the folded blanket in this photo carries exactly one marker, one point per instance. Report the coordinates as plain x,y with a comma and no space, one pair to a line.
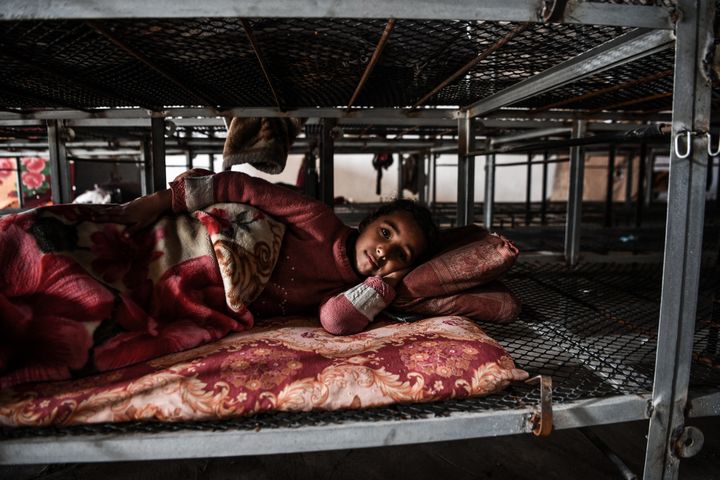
77,295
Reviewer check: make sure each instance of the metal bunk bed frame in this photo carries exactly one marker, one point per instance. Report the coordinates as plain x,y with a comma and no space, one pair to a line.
688,26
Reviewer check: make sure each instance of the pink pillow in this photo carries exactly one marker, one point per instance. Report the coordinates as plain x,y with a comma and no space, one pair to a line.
472,256
487,303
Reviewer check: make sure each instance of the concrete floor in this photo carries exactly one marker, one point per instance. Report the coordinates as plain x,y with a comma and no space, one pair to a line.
566,454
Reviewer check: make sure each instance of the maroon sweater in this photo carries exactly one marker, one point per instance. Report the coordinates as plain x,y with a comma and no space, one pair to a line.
314,269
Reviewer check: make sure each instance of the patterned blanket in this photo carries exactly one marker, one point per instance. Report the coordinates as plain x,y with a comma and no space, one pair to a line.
290,364
78,296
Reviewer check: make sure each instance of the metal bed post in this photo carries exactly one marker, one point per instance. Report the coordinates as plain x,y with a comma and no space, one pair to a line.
146,173
466,171
18,179
59,172
157,130
575,195
629,165
528,189
543,200
488,206
642,173
422,179
683,244
610,187
400,176
327,152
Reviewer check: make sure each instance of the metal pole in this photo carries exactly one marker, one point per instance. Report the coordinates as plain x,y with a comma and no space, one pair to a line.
642,171
528,189
543,204
400,177
157,130
610,187
575,195
489,188
434,179
629,181
146,173
421,178
466,172
683,241
18,178
59,172
327,171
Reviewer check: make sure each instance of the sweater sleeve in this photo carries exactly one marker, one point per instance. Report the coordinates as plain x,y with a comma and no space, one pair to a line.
351,311
195,192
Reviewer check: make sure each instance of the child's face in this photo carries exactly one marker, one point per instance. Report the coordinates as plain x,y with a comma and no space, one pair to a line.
388,244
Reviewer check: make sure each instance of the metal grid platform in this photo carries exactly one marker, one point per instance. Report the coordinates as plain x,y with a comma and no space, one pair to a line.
309,62
592,329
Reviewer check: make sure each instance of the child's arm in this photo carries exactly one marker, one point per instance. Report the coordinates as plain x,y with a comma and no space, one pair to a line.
352,310
195,192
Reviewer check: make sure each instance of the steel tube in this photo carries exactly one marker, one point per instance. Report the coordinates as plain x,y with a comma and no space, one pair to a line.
373,61
543,200
575,196
489,203
157,132
683,239
627,48
261,60
59,171
327,164
610,187
490,10
466,173
528,190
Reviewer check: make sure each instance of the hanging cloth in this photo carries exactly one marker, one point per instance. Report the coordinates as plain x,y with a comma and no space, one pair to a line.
381,161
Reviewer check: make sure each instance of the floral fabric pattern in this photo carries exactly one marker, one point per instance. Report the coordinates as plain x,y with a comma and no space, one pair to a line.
78,295
286,365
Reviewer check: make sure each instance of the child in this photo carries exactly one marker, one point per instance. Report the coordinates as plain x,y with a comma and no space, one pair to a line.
348,274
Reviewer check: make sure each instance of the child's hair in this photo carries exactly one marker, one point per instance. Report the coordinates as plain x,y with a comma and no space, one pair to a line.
420,214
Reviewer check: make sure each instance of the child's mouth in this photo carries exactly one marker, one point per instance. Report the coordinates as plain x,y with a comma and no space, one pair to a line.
372,260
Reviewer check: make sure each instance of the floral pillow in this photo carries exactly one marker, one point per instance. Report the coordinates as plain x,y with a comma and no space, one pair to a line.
493,302
456,280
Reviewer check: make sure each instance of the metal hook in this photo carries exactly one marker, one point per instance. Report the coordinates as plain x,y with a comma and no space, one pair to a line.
710,152
689,144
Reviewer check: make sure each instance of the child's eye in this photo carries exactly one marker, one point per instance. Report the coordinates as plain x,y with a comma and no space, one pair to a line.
385,232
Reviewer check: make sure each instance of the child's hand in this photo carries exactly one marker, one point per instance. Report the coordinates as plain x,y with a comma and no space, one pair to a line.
395,277
138,213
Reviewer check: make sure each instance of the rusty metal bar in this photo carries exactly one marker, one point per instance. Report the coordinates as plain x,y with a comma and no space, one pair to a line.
145,61
634,101
482,56
261,60
631,83
375,57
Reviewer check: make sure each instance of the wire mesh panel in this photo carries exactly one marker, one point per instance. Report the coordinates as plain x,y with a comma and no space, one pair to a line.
592,329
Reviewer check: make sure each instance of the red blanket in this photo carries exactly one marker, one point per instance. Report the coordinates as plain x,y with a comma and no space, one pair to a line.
77,296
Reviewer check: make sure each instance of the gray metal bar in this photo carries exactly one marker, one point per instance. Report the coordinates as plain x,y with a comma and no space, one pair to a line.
575,196
391,116
528,189
157,132
532,134
466,173
59,171
422,179
642,174
434,157
629,174
18,179
373,61
543,200
683,239
626,48
609,187
261,61
491,10
351,434
489,204
146,173
327,165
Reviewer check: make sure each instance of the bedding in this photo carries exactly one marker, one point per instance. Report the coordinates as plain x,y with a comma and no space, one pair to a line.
288,364
78,296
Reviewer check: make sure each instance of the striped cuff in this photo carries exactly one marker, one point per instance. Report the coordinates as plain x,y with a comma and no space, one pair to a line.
370,297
